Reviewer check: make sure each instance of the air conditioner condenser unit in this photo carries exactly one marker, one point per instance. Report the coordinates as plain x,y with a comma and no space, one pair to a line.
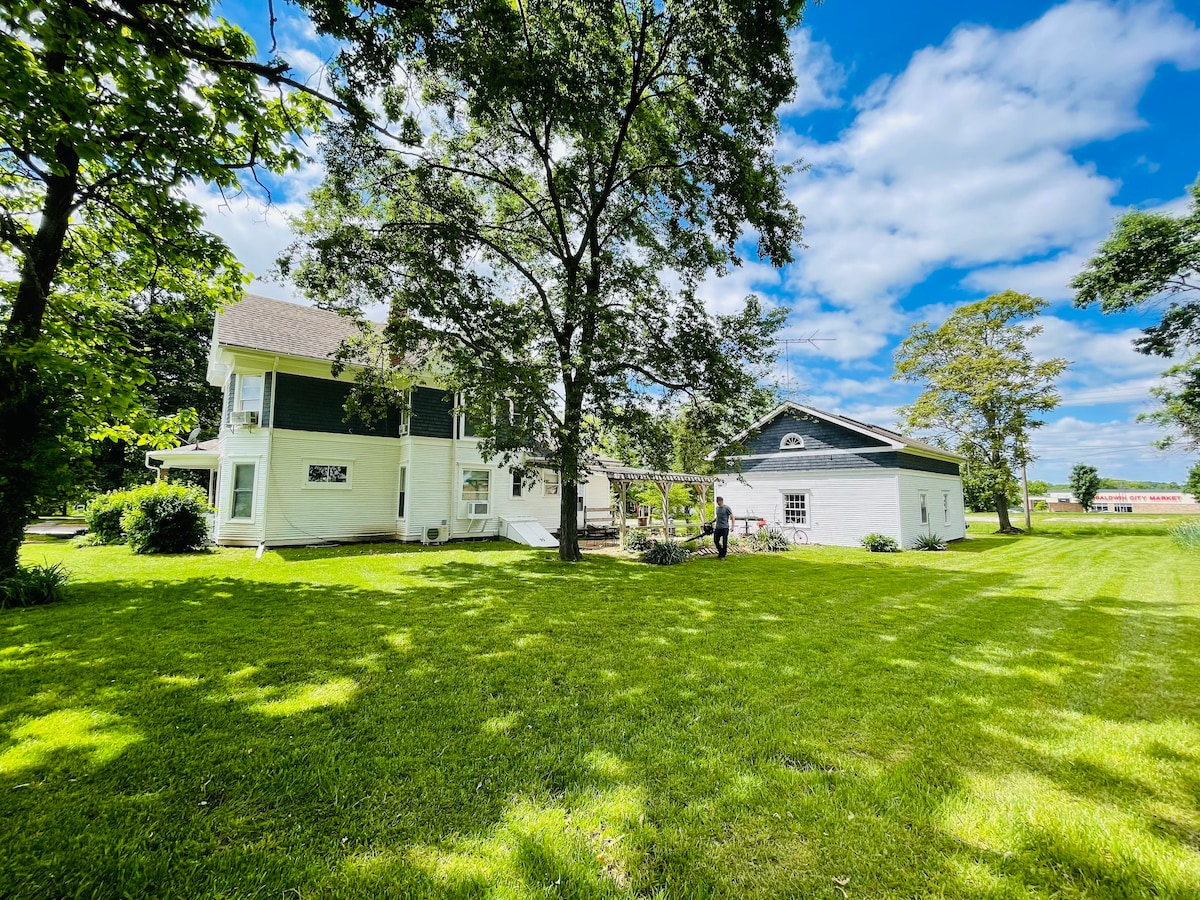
435,534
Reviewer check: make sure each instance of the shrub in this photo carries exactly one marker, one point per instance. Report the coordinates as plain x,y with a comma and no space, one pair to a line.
929,542
880,543
166,518
1041,506
103,515
34,586
637,541
771,539
666,553
1187,535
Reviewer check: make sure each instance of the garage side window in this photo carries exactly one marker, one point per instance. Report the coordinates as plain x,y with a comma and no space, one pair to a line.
243,491
924,510
795,508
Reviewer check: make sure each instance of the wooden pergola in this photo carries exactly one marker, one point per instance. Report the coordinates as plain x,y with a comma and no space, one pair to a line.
623,476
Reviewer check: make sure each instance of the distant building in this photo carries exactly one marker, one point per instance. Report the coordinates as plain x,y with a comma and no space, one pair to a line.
1171,502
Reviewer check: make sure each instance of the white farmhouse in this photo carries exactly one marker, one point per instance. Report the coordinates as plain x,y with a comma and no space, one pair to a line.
840,479
289,468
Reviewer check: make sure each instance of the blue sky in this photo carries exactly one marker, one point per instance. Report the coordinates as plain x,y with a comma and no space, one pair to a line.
955,150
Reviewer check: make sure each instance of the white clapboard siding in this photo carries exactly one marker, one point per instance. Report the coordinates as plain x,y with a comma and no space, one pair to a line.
300,512
534,500
245,445
912,484
430,482
842,506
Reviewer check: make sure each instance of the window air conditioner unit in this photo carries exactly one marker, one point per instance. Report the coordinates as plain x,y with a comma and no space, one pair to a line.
244,417
435,534
476,509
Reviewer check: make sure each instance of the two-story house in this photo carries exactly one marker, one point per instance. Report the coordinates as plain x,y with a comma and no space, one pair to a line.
290,468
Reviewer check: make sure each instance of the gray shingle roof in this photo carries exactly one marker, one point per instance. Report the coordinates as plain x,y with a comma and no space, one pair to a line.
260,323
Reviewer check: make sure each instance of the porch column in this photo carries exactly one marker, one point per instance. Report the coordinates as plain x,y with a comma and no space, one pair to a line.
622,487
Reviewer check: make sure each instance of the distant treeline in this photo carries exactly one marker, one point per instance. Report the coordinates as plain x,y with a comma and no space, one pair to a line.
1118,484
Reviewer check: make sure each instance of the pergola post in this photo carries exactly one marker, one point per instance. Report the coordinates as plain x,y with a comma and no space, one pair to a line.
664,488
622,487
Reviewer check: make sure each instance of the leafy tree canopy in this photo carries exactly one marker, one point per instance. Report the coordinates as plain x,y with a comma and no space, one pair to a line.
1153,259
983,389
562,177
107,111
1085,484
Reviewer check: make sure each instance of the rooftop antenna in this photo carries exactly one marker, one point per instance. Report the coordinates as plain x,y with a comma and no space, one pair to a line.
813,341
193,437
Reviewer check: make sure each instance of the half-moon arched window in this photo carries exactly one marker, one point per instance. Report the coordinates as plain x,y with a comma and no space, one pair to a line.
791,441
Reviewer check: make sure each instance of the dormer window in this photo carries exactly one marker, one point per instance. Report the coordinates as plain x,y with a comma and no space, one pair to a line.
791,441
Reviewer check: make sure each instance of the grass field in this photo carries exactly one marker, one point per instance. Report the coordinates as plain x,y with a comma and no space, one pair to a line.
1014,718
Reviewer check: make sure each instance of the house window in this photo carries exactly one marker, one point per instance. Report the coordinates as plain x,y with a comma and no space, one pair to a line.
517,486
550,484
250,394
475,484
325,474
924,510
405,417
795,509
243,491
403,489
946,508
1122,507
791,441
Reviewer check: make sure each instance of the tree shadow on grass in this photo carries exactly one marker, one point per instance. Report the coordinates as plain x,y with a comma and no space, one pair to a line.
604,730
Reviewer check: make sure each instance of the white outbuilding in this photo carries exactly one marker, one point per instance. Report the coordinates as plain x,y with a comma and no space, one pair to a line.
840,479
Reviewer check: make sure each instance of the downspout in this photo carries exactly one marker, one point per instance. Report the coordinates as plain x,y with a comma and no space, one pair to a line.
454,467
267,475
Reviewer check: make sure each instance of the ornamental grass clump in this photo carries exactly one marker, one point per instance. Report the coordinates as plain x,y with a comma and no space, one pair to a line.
1187,535
880,543
34,586
166,518
929,542
666,553
770,540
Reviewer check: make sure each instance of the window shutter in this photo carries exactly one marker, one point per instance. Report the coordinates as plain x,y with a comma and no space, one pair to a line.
265,417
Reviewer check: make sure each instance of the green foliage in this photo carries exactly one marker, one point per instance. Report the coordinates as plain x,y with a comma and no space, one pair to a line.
1192,486
1149,258
1085,484
1039,488
771,540
568,174
33,586
166,518
1187,535
1041,506
666,553
929,542
879,543
103,515
109,113
983,390
636,541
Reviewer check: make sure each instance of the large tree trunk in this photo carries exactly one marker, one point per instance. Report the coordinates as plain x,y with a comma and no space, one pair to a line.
26,440
568,513
1000,497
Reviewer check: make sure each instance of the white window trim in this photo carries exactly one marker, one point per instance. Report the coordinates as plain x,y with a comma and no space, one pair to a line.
406,415
547,483
401,488
524,487
791,441
241,382
946,507
923,507
229,517
307,485
808,514
462,476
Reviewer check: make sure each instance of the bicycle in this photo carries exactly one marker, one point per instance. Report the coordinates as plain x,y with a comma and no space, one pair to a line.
795,534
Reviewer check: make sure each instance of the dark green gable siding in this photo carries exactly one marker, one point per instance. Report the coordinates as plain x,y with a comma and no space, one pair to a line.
432,413
318,404
783,461
818,435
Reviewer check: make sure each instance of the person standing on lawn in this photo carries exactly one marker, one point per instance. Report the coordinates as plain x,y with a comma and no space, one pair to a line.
722,524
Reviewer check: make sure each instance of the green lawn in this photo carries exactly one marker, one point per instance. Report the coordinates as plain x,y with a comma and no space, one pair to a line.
1014,718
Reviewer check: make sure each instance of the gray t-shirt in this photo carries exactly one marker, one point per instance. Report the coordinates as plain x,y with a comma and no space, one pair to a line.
724,514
